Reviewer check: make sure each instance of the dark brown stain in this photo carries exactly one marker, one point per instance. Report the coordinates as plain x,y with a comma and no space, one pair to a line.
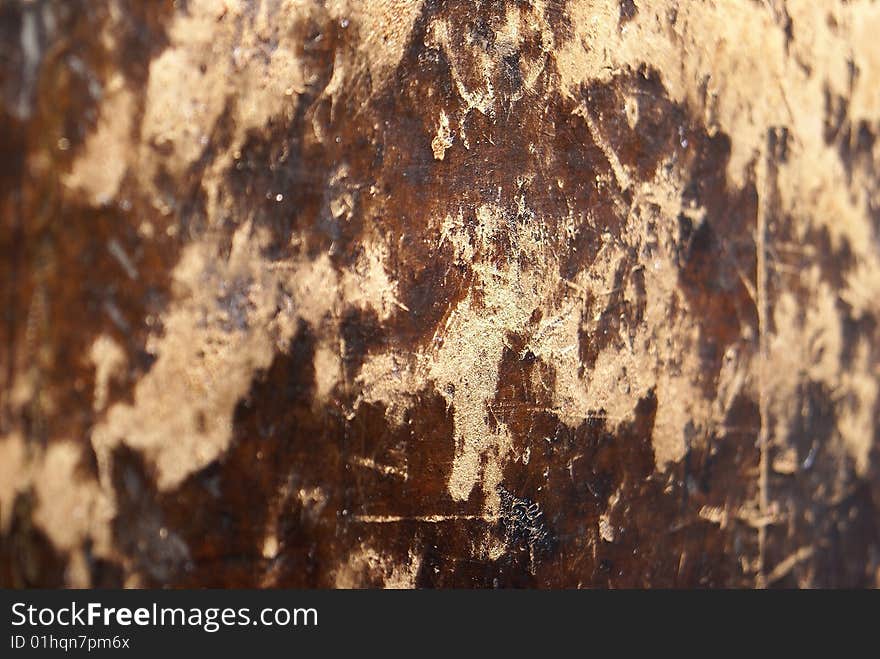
27,557
618,317
628,11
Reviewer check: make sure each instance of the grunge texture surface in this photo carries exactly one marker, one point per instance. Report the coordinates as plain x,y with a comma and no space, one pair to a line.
441,293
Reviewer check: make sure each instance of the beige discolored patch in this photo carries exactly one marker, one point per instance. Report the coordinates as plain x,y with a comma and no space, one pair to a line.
99,171
109,360
367,568
443,139
69,506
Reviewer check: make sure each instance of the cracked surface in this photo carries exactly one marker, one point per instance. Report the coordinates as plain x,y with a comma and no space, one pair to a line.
439,294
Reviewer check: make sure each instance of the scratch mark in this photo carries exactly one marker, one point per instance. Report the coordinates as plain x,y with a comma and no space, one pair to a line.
788,564
423,519
122,258
617,167
388,470
763,354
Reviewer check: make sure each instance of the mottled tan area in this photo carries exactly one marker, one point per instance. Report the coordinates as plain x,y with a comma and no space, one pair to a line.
545,293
